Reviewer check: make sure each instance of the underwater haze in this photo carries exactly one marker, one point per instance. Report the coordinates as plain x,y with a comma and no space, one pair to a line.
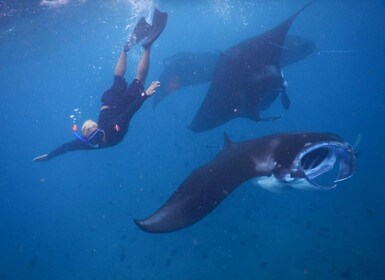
72,217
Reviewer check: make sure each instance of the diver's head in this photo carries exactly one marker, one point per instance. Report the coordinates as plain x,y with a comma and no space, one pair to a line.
88,128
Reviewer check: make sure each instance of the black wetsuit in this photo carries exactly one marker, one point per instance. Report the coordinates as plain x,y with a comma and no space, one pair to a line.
123,101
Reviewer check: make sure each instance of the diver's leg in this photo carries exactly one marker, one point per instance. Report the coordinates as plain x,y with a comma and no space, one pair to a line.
141,30
144,65
120,68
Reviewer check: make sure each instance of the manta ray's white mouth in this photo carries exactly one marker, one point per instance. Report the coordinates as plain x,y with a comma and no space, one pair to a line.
320,158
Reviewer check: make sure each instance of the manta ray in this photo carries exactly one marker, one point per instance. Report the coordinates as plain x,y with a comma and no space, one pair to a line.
247,79
185,69
275,162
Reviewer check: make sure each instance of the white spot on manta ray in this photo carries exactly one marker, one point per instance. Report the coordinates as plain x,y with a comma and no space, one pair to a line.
267,163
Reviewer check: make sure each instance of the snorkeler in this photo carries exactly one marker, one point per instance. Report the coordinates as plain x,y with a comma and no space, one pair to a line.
121,101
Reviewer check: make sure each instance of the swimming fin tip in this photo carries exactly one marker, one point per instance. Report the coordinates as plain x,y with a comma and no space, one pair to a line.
159,21
141,31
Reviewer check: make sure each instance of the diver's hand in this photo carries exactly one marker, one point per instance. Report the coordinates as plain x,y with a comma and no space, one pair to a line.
41,158
151,89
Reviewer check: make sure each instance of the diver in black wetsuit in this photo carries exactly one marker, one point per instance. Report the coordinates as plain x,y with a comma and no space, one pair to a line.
121,101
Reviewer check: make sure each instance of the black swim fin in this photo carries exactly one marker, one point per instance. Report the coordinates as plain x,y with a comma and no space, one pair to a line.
159,21
141,31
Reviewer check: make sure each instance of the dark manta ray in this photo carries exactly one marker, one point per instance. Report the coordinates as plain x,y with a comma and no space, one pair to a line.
186,68
242,85
276,161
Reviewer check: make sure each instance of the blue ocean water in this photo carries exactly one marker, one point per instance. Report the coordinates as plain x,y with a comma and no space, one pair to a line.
71,218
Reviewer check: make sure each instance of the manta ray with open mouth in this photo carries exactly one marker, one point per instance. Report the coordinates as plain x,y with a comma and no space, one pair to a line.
275,162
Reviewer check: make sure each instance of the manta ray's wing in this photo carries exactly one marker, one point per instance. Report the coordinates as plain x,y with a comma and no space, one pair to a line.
242,78
184,69
202,191
221,103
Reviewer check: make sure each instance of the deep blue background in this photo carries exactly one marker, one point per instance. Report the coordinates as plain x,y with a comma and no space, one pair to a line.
71,218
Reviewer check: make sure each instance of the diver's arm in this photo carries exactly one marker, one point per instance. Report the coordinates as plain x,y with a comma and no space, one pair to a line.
67,147
151,89
139,98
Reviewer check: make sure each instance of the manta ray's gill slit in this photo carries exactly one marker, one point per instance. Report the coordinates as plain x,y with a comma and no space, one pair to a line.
314,158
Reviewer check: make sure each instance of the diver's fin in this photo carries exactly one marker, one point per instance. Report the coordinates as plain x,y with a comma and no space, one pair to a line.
159,21
141,30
